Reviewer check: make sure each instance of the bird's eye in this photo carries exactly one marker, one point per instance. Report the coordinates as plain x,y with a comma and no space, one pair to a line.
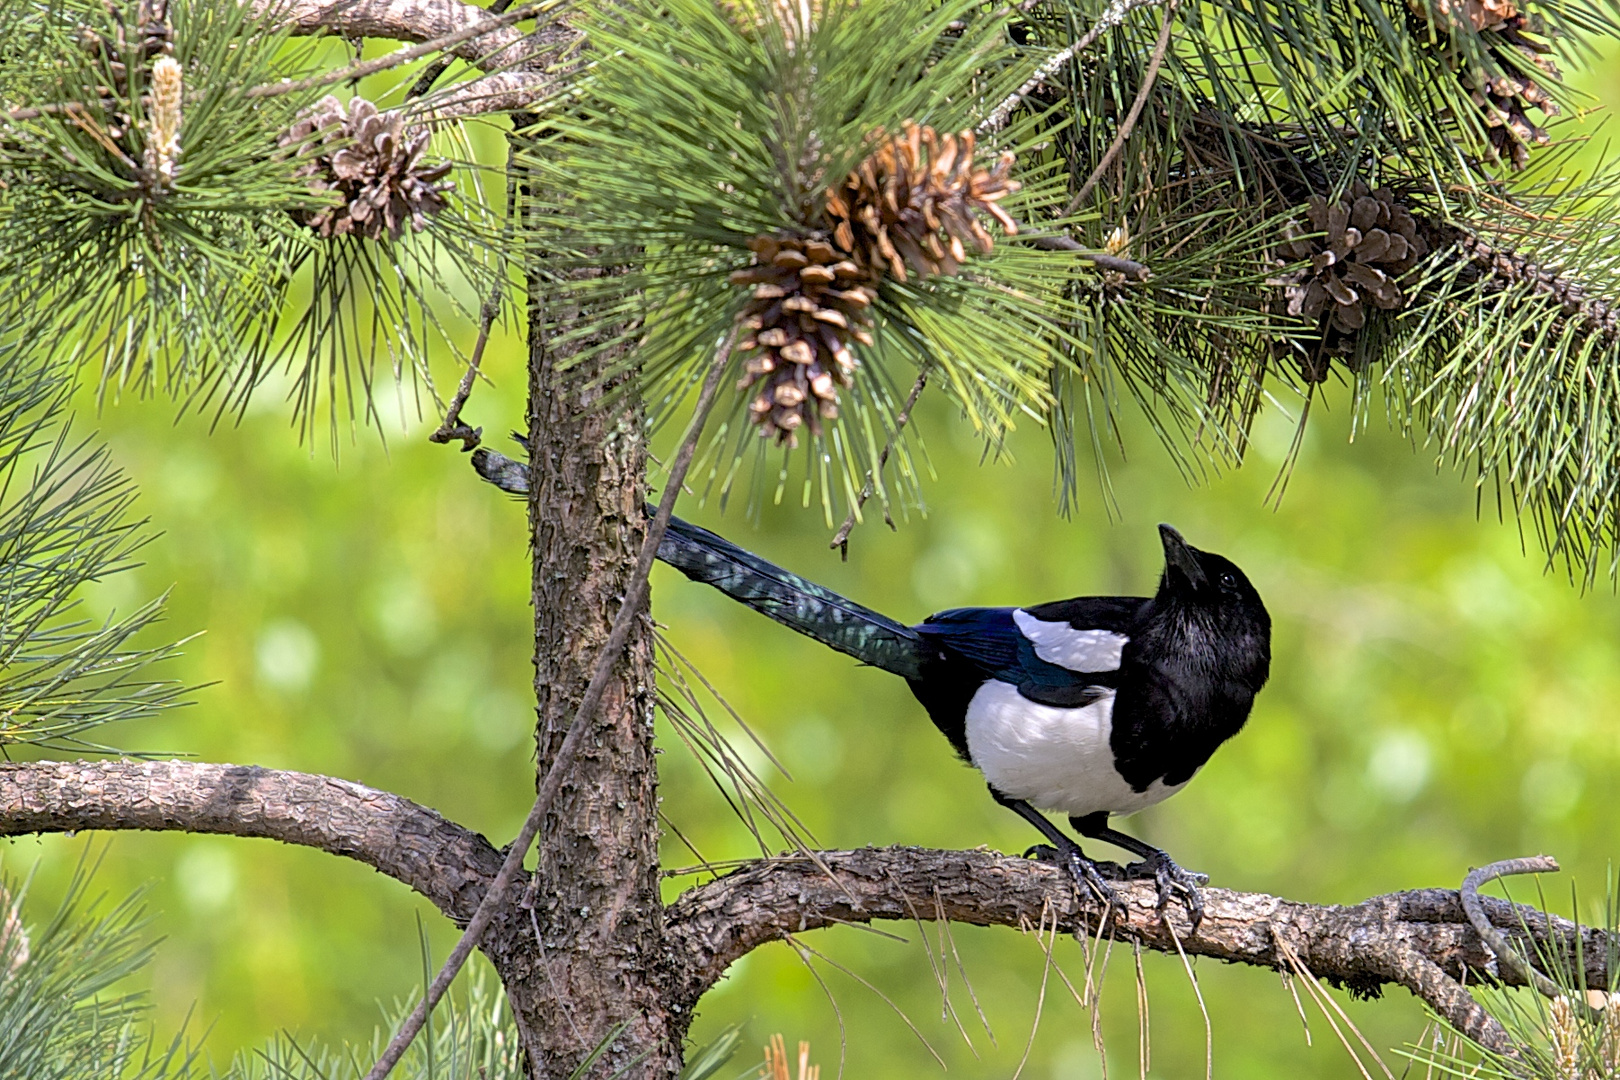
1229,581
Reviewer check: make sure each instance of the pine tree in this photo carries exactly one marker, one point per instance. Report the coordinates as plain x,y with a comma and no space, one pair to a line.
773,224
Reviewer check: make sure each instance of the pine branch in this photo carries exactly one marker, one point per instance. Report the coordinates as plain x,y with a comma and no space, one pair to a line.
1419,939
419,21
474,34
450,865
1506,268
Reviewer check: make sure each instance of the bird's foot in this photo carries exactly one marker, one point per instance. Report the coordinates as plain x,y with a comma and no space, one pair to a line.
1173,883
1090,875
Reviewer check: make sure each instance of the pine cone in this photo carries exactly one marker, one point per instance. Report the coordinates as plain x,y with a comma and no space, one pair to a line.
1370,241
915,202
151,36
1480,14
1504,98
374,162
809,302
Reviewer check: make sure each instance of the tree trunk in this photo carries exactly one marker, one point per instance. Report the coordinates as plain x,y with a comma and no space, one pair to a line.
596,901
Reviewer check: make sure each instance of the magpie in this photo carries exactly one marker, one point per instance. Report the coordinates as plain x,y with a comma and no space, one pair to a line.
1090,707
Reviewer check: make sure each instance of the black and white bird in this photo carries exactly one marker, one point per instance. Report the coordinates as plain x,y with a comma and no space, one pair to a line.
1091,707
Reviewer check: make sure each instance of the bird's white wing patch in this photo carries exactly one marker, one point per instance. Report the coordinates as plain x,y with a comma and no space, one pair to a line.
1078,650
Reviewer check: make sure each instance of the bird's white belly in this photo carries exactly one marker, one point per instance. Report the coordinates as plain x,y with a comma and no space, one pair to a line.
1053,758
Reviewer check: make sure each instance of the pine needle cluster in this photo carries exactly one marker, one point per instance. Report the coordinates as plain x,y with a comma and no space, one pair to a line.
1136,213
1255,120
156,210
700,138
143,221
65,521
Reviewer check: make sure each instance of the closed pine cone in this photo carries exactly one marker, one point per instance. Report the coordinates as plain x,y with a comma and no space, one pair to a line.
915,202
809,301
374,162
1370,241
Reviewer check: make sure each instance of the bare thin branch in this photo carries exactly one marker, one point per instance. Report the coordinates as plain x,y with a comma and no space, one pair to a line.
448,864
478,38
502,52
841,539
1506,957
1152,75
1110,18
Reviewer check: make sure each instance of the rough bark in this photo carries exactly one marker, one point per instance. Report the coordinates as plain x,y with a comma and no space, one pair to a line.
597,907
448,864
654,964
1420,940
414,21
521,64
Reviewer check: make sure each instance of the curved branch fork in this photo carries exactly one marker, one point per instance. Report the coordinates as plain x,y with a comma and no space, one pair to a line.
448,864
1420,940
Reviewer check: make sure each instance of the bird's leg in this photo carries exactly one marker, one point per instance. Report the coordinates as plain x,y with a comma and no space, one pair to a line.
1065,852
1171,880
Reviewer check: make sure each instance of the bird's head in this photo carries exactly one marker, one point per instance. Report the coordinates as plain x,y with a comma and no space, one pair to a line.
1215,603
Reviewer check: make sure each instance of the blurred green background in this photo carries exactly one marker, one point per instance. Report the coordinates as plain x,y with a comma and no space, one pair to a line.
1438,701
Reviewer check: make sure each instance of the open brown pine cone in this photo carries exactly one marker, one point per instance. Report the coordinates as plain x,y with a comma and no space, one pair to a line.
915,202
374,162
1369,241
809,302
1502,99
911,207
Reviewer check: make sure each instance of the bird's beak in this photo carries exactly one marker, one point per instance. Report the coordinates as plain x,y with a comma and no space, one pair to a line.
1177,554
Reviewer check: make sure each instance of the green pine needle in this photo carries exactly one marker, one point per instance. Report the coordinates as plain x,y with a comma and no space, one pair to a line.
700,128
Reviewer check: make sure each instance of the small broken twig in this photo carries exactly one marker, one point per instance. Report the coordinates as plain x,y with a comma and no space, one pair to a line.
1507,958
488,312
840,539
452,427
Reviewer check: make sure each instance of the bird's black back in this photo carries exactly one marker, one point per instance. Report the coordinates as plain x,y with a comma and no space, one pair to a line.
968,646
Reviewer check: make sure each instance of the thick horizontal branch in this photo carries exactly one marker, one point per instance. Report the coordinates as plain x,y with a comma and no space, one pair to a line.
505,92
448,864
418,21
1420,940
522,64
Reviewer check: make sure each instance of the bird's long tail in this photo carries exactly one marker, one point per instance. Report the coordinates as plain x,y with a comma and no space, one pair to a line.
786,598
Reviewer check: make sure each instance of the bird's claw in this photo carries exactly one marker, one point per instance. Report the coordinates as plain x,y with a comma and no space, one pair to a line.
1090,875
1173,883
